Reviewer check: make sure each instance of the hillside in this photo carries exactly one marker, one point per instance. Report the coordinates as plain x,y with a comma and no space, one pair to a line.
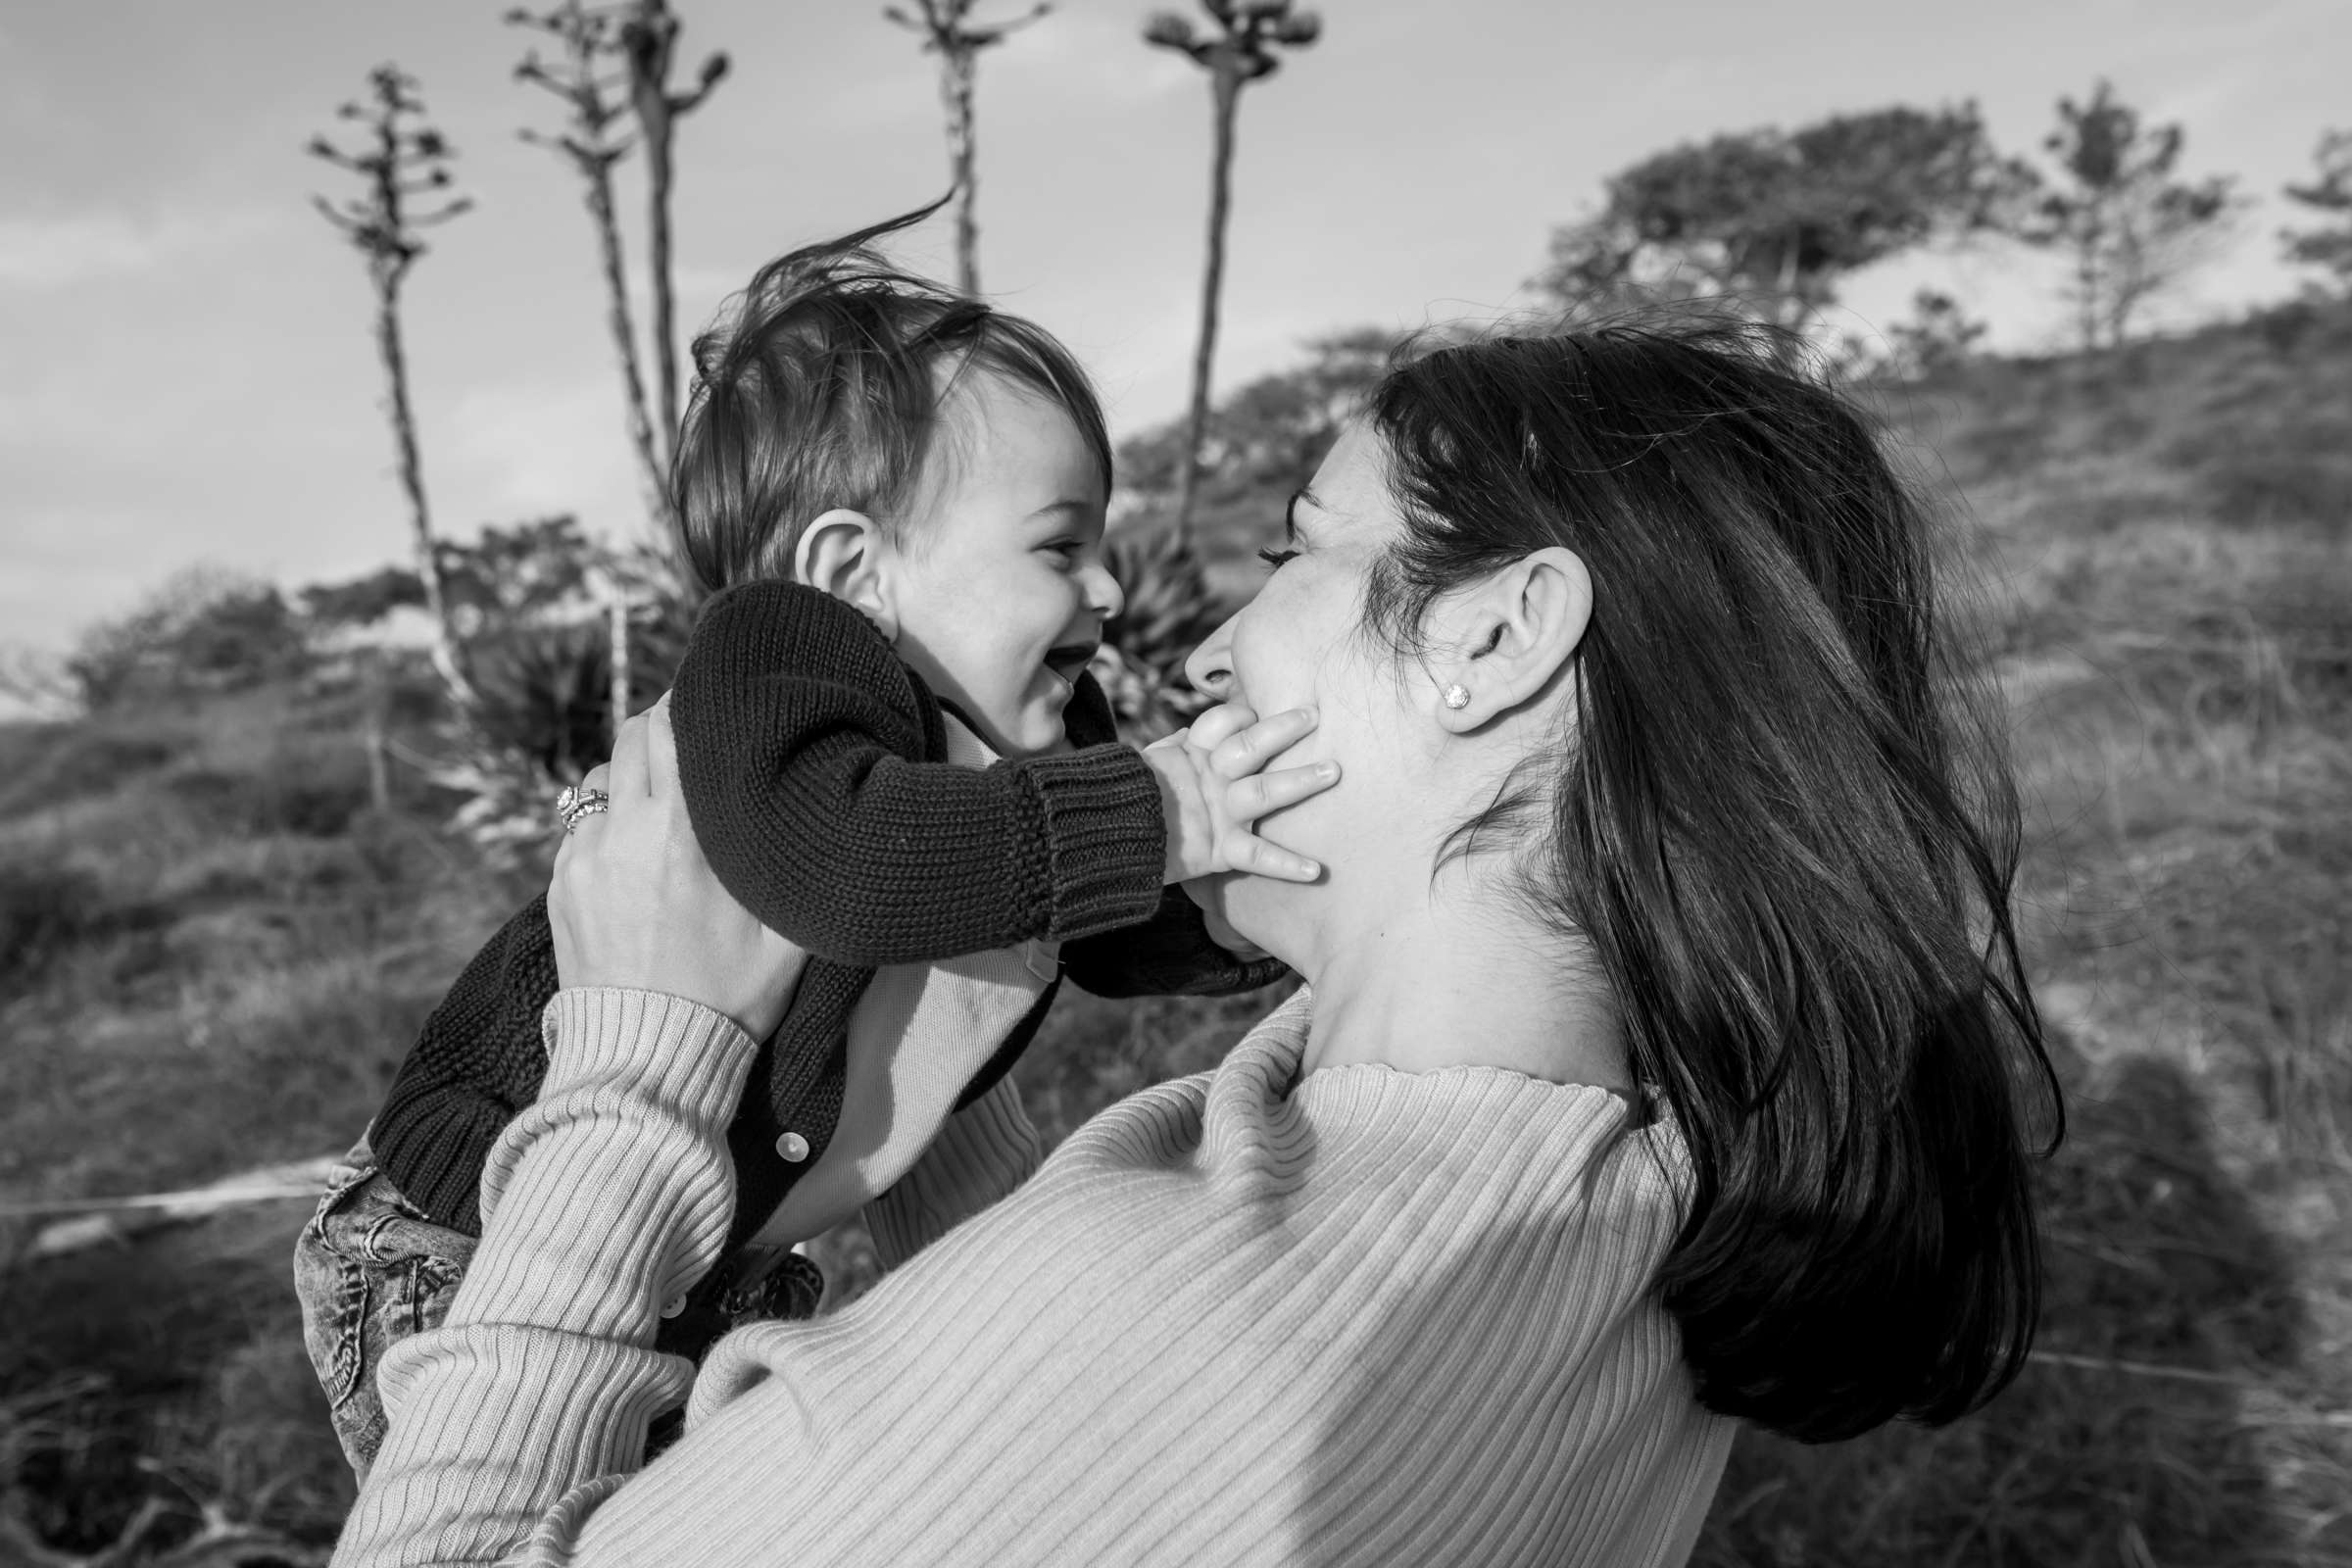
213,948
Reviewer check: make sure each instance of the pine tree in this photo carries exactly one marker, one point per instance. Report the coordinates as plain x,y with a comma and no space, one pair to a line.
2330,195
2128,227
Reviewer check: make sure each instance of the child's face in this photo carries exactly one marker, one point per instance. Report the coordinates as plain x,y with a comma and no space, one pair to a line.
1000,589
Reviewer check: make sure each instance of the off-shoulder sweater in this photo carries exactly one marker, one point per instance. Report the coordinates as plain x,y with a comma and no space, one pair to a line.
1250,1317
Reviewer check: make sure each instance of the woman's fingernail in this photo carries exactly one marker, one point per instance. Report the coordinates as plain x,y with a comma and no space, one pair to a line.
1310,715
1328,771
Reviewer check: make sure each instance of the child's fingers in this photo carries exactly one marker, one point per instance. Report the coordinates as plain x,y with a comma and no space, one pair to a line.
1218,725
1251,797
1248,853
1261,742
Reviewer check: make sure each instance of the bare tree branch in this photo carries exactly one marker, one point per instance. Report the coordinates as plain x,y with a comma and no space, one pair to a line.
947,32
1241,52
381,224
648,44
589,143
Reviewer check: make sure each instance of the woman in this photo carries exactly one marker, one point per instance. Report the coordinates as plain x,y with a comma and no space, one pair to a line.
1656,1069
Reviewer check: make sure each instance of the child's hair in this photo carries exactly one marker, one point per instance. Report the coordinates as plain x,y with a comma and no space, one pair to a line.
820,387
1789,845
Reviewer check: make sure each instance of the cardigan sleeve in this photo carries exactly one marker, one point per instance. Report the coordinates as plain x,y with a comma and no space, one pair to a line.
803,753
985,1151
1171,955
603,1200
476,1062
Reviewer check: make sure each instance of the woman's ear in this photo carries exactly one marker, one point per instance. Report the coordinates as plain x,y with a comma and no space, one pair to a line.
1506,639
844,554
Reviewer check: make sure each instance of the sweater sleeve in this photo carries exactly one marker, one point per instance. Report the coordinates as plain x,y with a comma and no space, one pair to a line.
983,1151
602,1201
802,747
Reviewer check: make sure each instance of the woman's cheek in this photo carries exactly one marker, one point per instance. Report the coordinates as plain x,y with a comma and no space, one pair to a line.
1257,679
1284,658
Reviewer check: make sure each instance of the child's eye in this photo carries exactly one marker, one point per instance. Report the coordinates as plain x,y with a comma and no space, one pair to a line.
1275,557
1067,550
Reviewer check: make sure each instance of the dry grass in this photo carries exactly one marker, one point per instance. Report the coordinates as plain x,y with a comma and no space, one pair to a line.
215,948
230,947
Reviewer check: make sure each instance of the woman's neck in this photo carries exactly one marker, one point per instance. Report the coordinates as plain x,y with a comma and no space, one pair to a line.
1455,974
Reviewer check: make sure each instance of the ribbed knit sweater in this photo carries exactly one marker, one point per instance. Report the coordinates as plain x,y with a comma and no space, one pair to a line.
814,767
1250,1317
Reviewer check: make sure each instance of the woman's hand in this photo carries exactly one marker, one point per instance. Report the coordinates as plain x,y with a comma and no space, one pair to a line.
634,904
1212,787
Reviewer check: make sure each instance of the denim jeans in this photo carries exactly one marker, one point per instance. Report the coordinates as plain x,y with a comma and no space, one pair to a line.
370,1270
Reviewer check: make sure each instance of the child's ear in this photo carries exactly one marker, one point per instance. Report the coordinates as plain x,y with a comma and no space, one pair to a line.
844,554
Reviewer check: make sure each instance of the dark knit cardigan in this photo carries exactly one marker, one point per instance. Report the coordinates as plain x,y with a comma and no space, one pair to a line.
814,766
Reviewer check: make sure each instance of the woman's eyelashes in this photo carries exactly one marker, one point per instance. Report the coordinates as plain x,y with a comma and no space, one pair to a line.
1275,557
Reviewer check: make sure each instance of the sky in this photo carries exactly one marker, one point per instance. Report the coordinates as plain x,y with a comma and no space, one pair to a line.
190,378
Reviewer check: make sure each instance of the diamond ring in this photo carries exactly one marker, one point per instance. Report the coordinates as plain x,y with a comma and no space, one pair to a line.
576,803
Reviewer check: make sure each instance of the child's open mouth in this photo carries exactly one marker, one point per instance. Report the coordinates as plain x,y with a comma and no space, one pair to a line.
1069,660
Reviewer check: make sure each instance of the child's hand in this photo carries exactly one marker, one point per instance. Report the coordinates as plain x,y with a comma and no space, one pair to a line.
1211,788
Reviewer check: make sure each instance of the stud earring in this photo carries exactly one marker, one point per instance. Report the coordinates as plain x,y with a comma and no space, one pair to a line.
1457,695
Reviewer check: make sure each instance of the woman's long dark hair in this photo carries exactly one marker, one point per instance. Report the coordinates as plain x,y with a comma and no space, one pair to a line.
1785,832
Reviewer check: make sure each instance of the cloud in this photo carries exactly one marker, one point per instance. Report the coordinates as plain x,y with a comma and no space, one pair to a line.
69,566
62,250
520,449
1092,55
704,284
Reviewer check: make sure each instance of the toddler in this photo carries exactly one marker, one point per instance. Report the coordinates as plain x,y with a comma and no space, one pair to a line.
892,754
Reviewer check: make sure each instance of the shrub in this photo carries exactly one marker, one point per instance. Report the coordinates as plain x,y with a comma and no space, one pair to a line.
46,907
2286,486
1997,447
74,762
257,768
1938,339
189,1436
286,797
546,687
203,630
544,692
271,1456
1169,610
